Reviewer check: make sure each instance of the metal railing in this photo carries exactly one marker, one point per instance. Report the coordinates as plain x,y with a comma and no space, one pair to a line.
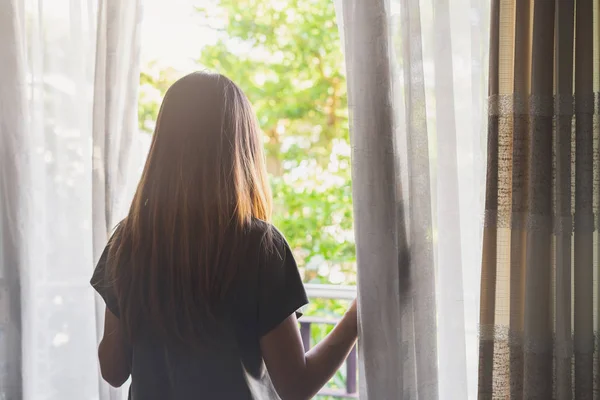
316,291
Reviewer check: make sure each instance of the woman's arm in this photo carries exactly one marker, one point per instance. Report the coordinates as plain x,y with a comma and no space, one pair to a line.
299,376
114,352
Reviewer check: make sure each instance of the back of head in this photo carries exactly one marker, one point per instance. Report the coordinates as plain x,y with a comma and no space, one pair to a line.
176,254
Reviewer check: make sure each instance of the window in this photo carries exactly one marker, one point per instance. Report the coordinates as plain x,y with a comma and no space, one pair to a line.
287,57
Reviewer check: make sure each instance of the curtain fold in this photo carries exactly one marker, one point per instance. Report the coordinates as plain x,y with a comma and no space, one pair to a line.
539,283
70,72
369,66
116,82
115,110
13,163
415,90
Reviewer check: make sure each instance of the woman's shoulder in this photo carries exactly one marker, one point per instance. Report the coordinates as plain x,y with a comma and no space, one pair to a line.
262,229
270,239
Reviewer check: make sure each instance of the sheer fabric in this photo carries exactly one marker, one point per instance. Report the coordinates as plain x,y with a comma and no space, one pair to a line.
416,93
63,74
539,288
12,151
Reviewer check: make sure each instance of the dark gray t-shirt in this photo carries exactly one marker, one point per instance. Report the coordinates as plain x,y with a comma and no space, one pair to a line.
267,292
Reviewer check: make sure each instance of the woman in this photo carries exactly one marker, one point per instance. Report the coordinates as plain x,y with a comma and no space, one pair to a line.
201,291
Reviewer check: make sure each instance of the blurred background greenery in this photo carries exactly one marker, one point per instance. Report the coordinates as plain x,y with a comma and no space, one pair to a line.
287,57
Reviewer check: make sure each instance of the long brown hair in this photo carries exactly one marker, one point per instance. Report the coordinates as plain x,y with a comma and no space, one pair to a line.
176,254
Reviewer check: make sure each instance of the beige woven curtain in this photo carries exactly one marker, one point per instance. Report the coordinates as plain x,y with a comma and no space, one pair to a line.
540,288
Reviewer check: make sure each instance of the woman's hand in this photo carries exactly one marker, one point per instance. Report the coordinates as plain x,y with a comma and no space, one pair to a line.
114,352
352,310
351,317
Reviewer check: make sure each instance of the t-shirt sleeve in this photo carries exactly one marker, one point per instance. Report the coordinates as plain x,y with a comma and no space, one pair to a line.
281,291
101,283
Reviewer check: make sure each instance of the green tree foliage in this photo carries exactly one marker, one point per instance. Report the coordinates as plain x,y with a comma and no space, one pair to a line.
287,57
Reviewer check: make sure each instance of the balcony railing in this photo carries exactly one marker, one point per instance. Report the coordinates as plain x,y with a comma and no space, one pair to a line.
340,293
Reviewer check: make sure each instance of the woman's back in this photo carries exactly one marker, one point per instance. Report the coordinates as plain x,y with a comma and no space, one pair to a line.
267,290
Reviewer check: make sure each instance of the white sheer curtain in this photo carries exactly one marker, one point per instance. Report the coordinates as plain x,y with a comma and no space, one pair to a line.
417,85
69,70
12,149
